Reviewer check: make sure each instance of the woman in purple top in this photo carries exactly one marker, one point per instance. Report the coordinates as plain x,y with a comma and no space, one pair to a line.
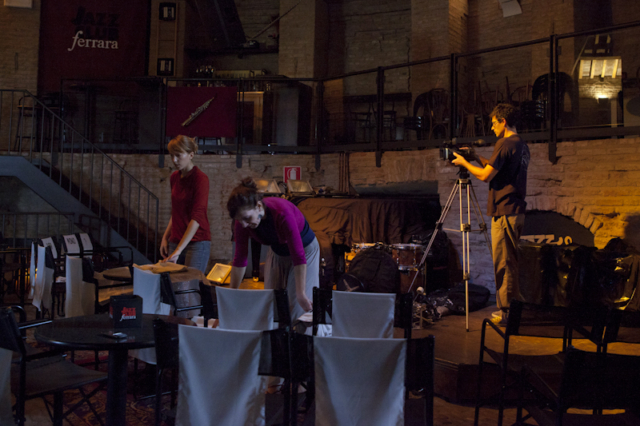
293,257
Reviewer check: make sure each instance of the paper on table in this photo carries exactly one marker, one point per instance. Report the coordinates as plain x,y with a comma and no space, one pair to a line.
160,267
306,317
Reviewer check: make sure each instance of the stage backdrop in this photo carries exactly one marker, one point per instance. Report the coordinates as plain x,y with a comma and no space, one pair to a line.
92,39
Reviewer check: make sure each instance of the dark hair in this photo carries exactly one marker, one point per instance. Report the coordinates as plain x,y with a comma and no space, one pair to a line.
506,112
245,195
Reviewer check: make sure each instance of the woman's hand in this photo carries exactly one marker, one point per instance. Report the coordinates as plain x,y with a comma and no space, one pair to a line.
304,302
164,248
173,258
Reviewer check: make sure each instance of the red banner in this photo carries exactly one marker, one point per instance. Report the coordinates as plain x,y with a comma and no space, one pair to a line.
205,112
91,39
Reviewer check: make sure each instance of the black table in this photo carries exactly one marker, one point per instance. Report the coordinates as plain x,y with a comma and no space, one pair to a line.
84,333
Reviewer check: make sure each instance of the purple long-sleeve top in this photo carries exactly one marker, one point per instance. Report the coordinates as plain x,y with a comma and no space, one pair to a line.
282,225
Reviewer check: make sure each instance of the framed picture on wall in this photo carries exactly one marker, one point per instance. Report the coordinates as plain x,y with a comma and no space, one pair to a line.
165,66
167,12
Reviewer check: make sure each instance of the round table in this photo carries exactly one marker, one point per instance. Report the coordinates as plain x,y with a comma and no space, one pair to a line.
85,333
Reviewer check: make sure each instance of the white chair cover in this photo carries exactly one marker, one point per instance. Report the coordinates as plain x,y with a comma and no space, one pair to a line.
48,242
32,271
147,285
219,381
80,295
71,244
85,240
364,315
6,416
245,309
359,382
43,283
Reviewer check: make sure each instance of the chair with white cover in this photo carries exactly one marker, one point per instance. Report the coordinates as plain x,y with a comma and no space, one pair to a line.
352,388
228,392
147,285
42,299
364,315
245,309
80,297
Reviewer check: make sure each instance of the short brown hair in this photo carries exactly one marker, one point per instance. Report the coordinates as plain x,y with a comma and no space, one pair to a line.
182,144
506,112
245,195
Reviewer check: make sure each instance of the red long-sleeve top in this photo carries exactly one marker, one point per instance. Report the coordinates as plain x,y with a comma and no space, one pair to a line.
189,201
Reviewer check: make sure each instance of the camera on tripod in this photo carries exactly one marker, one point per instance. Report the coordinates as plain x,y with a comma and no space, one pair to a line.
465,150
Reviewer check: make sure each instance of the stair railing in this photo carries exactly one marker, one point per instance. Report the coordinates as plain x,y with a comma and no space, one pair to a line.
36,131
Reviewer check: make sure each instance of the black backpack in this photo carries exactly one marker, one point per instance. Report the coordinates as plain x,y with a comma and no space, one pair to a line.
375,269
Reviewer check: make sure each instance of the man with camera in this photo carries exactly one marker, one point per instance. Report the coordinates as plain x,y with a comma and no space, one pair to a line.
506,173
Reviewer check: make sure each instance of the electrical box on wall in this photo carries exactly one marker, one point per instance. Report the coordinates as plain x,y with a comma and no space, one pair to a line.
27,4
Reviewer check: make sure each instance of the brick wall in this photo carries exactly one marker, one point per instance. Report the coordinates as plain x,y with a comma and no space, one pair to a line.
19,47
594,183
366,34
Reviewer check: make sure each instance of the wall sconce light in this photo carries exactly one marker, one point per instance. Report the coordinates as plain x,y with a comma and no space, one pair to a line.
299,187
268,187
607,66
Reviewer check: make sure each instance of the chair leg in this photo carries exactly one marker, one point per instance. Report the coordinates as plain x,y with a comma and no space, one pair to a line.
57,409
158,408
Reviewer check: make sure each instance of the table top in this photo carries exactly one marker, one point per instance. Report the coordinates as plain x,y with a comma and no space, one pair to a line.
124,274
85,332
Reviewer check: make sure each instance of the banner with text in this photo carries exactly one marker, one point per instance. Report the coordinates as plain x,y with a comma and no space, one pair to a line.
82,39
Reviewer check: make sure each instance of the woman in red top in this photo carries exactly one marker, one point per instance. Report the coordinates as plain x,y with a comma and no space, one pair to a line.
187,240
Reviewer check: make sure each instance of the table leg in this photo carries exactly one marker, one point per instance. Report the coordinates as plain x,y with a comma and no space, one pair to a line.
117,387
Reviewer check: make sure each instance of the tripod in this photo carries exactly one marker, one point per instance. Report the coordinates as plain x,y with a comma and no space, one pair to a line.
463,184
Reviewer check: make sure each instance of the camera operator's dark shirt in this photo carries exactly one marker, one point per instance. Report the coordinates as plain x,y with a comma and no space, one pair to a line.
508,187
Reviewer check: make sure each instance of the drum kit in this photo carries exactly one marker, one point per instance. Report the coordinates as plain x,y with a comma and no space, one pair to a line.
406,256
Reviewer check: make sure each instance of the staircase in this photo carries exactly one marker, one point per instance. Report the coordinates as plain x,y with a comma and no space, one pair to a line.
73,175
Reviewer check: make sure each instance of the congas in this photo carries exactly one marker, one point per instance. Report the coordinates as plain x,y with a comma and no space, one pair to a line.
407,256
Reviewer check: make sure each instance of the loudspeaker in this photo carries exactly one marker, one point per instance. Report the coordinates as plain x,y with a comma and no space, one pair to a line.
221,23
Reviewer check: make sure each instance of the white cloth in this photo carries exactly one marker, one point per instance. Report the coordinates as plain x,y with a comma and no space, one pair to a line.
147,286
6,416
245,309
80,296
359,382
44,283
364,315
219,381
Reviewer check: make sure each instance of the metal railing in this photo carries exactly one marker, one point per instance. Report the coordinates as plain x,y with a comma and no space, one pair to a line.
19,230
33,129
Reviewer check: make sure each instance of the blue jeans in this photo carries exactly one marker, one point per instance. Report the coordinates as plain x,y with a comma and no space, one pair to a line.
195,255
